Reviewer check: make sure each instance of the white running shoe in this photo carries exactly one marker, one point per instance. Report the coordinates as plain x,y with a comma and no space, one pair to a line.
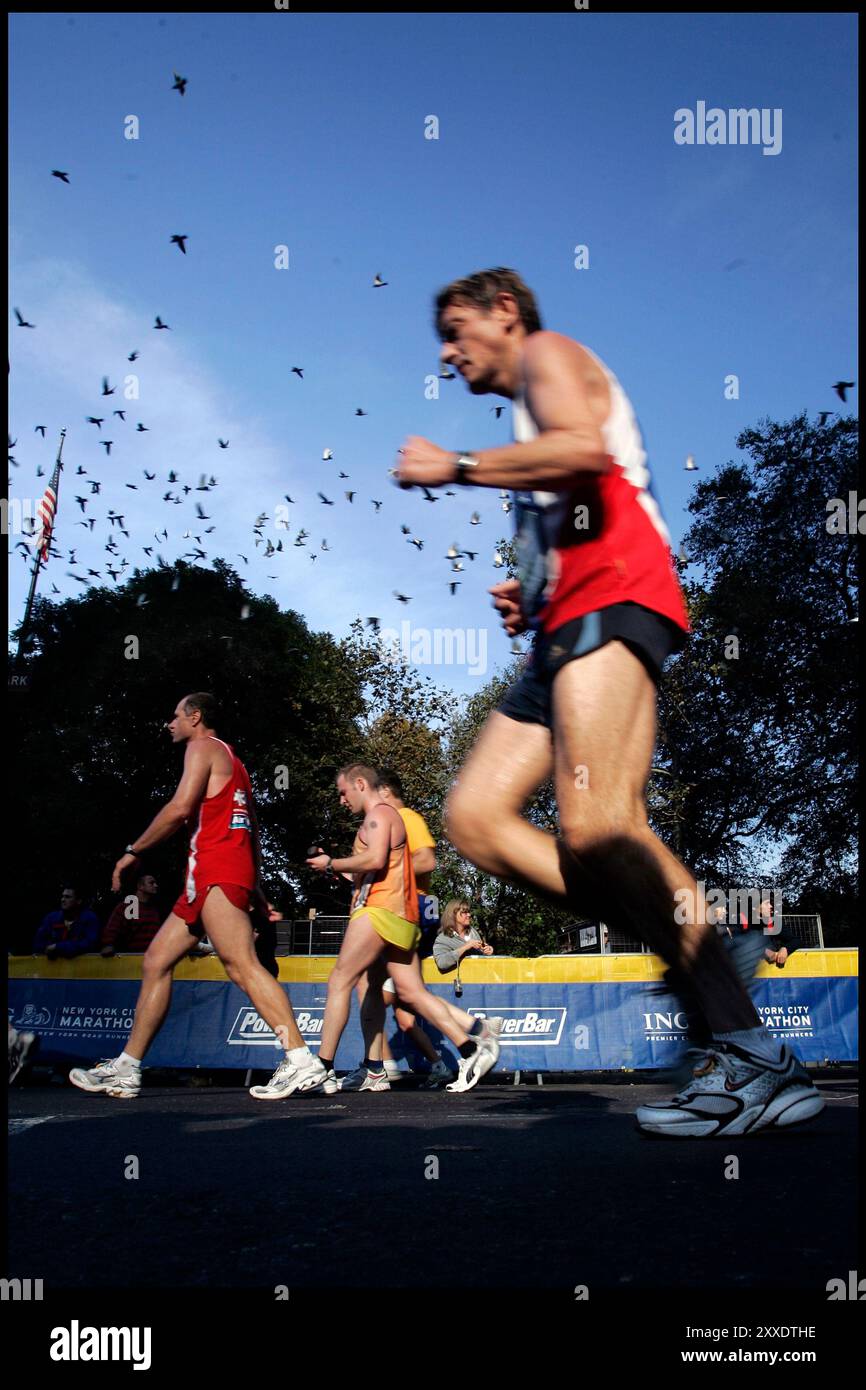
363,1080
735,1093
471,1069
493,1026
122,1083
328,1086
310,1076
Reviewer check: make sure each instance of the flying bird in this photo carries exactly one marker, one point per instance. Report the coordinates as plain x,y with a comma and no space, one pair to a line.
299,371
446,374
142,429
179,241
22,322
159,323
106,444
348,496
39,429
132,357
402,598
690,465
376,504
379,283
106,389
92,420
326,454
59,174
121,413
475,519
179,84
359,411
428,495
453,585
840,387
497,410
824,417
326,500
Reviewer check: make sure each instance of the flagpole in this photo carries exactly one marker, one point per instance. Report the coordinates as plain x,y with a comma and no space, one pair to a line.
55,483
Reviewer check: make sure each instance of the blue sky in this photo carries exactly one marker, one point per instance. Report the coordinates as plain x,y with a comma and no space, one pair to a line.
554,131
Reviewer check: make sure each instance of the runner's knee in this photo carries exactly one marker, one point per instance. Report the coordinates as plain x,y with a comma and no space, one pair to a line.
155,962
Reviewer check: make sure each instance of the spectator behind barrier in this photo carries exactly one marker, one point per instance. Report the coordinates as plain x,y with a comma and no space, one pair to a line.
135,920
70,931
457,938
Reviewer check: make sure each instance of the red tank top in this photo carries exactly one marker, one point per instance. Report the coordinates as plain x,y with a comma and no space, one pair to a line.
604,541
221,848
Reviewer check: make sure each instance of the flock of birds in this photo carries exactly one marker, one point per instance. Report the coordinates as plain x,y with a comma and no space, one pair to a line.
178,491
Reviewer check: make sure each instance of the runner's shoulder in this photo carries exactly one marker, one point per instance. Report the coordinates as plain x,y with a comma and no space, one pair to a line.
547,345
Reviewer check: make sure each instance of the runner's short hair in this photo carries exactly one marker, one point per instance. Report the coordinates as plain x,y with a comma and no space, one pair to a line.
353,770
482,288
391,780
207,706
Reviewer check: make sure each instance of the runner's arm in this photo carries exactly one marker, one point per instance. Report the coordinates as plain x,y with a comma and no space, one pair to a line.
377,833
190,790
424,860
560,386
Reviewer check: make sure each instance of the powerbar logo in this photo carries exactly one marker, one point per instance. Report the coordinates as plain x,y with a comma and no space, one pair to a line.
248,1030
527,1027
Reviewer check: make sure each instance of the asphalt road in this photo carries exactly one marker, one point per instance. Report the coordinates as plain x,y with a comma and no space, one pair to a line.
538,1187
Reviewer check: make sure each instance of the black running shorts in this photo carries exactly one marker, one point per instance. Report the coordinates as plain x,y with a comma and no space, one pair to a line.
651,637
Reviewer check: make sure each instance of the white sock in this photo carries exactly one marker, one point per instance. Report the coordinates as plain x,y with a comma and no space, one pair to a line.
125,1061
300,1056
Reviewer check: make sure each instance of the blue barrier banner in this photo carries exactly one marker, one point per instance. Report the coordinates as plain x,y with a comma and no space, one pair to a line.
546,1027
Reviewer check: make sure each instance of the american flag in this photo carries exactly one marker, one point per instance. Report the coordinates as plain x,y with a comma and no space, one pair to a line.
45,513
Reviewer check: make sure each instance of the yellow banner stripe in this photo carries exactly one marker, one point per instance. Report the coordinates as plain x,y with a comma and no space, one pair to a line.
491,970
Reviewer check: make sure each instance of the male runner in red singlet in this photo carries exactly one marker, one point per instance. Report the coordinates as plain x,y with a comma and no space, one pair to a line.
222,880
597,585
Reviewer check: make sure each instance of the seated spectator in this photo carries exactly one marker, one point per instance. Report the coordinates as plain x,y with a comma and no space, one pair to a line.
133,924
70,931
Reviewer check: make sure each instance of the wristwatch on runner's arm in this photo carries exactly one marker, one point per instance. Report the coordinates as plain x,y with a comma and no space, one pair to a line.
465,464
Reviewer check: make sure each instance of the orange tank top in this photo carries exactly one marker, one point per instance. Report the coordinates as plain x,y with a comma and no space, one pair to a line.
393,886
